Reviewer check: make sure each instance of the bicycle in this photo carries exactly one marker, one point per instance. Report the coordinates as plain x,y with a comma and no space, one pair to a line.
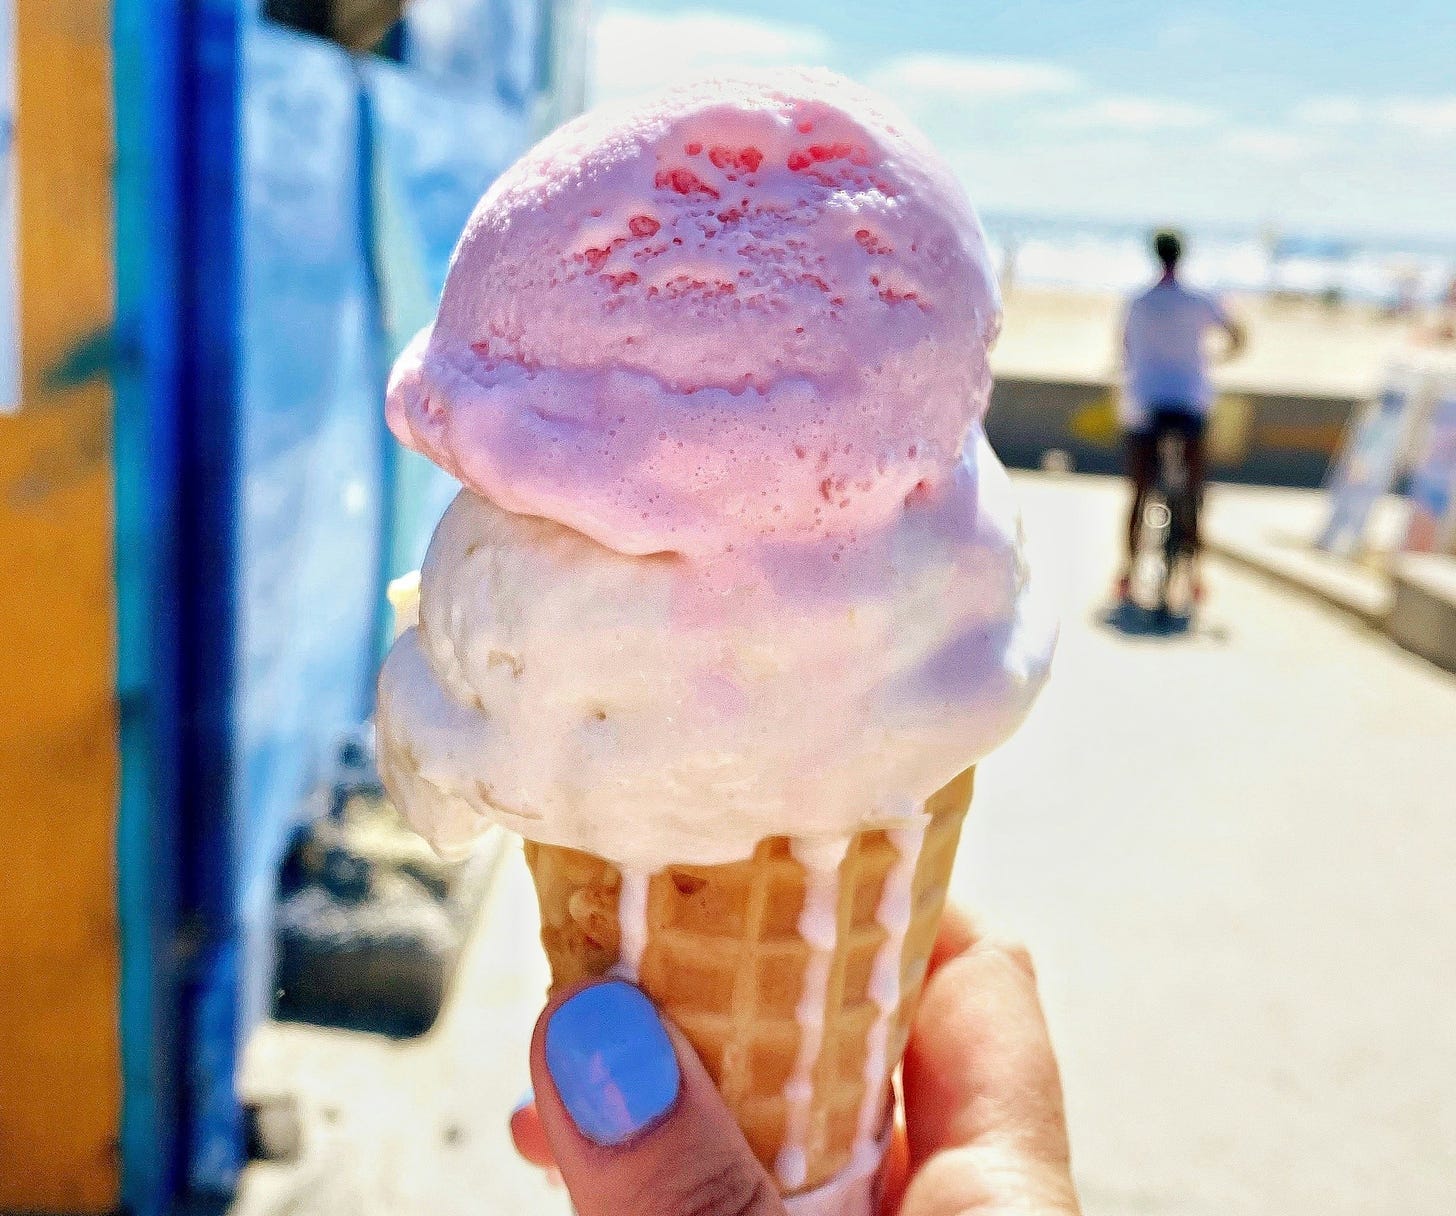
1165,549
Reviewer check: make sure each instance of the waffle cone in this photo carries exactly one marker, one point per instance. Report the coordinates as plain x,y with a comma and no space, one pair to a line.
725,960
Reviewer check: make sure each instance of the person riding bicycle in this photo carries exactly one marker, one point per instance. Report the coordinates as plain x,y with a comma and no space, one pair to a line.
1167,386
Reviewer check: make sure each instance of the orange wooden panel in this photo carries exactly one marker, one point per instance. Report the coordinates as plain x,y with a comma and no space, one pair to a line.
58,1110
60,1082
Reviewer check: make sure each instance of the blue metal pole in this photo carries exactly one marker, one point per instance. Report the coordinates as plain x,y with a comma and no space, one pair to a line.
377,339
146,75
208,495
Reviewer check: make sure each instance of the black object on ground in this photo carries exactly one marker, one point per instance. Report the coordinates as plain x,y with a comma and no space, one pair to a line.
370,921
273,1130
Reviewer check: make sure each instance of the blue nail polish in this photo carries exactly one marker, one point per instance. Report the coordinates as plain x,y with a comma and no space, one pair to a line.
612,1062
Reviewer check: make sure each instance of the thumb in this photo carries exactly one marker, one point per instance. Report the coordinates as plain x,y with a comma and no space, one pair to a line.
983,1098
633,1119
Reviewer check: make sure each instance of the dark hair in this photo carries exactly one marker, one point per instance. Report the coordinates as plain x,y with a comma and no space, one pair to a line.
1168,245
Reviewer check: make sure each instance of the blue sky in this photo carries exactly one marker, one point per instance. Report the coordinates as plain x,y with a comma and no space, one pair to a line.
1332,117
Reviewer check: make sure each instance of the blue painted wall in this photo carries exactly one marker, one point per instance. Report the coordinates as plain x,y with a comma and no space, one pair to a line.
285,215
146,80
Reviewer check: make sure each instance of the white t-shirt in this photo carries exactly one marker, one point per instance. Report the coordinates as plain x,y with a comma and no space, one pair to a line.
1163,344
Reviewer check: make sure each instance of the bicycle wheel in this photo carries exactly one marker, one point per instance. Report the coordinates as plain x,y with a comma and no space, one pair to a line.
1156,550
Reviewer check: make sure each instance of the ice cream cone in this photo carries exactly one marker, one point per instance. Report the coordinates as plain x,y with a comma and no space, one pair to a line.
795,974
712,370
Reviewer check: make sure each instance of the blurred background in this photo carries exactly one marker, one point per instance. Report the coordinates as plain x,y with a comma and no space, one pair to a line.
231,980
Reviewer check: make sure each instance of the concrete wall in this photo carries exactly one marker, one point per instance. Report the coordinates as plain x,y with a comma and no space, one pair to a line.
1423,612
1260,438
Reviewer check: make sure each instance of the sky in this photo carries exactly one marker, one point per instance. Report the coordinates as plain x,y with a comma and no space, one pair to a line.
1306,116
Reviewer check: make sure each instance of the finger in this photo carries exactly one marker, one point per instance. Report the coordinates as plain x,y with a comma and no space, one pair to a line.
983,1095
958,932
980,1065
529,1136
633,1120
896,1172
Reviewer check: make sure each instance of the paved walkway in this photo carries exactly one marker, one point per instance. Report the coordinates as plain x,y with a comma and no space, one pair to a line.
1231,853
417,1128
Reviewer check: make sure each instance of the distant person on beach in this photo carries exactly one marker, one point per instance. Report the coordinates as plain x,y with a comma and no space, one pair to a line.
1167,386
1007,277
1444,329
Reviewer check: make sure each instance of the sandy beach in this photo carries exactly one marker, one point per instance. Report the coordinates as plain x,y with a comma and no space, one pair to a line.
1296,347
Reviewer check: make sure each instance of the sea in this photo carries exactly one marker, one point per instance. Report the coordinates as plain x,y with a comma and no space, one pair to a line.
1093,255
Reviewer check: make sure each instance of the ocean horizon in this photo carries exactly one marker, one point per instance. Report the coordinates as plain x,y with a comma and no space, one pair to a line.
1108,255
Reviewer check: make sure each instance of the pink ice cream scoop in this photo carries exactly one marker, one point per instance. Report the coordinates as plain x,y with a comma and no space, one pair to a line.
749,310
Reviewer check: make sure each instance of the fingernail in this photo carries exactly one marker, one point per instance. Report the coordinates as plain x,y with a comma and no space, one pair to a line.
612,1062
526,1099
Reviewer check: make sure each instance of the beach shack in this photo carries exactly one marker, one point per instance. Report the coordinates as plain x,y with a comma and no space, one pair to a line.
222,219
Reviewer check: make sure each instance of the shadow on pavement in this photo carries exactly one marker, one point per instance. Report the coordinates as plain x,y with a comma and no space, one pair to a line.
1134,621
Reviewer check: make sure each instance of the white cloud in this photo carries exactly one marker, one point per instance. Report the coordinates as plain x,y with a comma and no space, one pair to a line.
1369,178
1433,116
957,80
1329,111
1045,139
1137,114
1266,143
635,52
1424,115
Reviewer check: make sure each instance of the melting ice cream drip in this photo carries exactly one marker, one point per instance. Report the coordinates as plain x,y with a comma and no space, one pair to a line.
894,915
819,926
632,922
850,1191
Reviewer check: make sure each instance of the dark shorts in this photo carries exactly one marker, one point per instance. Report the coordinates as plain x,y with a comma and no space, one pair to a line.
1190,426
1141,445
